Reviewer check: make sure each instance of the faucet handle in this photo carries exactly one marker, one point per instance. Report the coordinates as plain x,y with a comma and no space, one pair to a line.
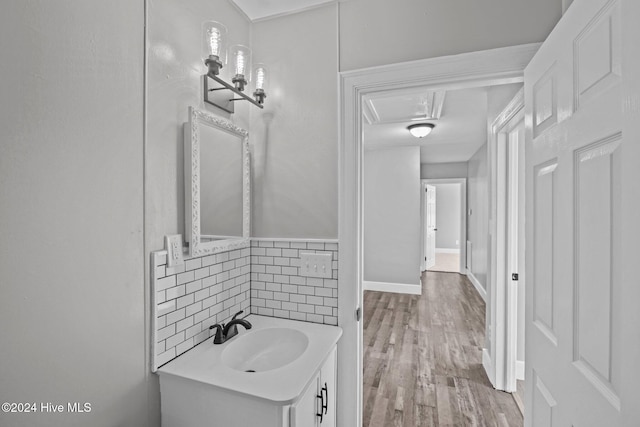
219,338
237,314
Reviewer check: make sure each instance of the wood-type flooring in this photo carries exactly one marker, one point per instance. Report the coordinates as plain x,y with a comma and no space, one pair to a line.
423,359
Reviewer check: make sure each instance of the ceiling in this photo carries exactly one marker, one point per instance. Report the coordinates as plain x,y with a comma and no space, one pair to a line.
460,117
261,9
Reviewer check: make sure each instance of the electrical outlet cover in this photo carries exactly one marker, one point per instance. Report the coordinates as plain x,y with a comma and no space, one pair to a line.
173,245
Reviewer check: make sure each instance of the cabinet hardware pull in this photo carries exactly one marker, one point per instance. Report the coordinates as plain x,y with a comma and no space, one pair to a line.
325,403
322,405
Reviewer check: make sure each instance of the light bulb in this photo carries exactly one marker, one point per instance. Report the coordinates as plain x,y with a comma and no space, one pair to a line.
215,41
213,46
261,76
241,60
260,72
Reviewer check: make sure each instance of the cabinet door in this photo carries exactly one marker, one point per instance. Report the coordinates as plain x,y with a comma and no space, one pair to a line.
328,387
303,413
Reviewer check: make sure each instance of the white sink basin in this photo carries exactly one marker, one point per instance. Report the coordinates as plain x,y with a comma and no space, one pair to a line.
265,349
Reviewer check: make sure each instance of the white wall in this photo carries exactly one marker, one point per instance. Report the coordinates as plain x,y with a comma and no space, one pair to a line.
71,191
294,142
478,215
175,67
377,32
392,215
443,170
448,216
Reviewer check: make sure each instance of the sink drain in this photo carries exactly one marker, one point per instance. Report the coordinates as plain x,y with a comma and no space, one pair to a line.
249,370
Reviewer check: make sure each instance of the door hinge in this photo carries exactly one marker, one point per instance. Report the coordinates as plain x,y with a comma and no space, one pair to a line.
514,276
358,314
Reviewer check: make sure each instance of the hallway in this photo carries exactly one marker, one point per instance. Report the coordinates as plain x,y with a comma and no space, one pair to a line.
423,359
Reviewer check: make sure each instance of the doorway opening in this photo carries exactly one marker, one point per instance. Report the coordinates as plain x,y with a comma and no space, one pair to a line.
444,225
496,66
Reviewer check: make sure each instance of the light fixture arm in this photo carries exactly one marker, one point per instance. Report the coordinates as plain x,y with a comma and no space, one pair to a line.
221,94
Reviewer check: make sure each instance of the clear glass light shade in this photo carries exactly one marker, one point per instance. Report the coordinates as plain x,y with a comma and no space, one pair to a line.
240,57
214,39
420,130
260,76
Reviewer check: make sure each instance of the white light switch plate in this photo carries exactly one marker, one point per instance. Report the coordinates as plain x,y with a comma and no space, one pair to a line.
315,265
173,244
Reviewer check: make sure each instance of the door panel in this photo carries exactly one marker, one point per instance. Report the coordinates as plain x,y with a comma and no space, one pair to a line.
577,337
431,226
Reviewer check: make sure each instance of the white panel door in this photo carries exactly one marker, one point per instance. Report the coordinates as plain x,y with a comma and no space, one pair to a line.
582,335
430,235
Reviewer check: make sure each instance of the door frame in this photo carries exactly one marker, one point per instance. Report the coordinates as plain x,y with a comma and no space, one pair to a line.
475,69
463,217
499,359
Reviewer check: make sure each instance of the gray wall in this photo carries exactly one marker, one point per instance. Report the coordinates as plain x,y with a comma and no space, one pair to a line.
174,83
294,139
377,32
73,261
392,215
478,215
71,191
448,216
443,170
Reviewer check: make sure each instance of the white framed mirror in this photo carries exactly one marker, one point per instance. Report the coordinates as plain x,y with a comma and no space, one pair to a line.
217,184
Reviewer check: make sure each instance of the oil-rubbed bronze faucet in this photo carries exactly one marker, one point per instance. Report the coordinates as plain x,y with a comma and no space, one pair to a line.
230,330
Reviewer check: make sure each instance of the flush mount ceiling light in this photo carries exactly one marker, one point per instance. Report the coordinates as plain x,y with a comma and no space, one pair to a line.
420,130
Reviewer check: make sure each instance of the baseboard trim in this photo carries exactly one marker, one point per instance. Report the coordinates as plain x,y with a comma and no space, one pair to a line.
447,251
398,288
520,370
476,284
488,366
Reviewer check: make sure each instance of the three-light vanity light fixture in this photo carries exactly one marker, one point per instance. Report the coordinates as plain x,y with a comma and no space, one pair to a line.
216,90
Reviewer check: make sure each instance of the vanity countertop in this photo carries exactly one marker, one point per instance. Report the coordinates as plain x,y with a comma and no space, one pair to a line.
282,385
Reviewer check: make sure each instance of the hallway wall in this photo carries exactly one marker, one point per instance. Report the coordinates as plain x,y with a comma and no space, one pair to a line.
478,215
443,170
392,215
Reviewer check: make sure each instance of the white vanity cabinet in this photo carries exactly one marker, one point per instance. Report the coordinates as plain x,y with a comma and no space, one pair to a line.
317,406
205,387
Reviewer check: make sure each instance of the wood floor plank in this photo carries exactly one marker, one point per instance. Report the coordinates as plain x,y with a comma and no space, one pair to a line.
423,359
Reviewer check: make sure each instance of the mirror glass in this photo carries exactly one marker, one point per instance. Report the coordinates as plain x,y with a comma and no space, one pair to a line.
220,184
217,187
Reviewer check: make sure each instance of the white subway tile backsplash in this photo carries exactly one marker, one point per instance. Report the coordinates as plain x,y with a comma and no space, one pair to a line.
175,292
175,316
165,282
276,282
190,298
174,340
192,264
185,301
184,324
166,307
166,332
184,346
263,278
297,298
187,276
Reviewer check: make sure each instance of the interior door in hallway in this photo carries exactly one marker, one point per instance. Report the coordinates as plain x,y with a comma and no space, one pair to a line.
430,228
581,336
